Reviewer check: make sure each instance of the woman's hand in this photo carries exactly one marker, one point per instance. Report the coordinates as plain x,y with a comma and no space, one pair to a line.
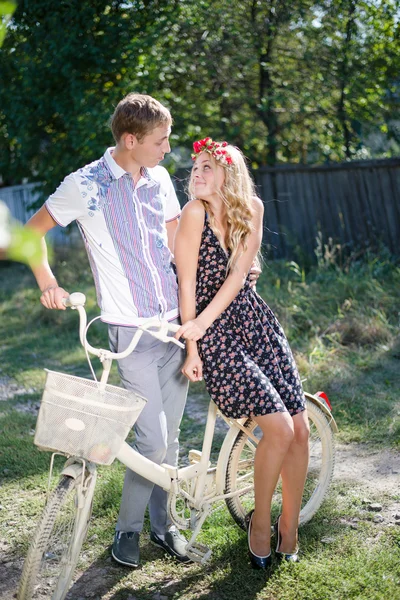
191,330
193,367
255,273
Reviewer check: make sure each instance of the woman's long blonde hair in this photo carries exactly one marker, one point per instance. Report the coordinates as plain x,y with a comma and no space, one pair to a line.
237,193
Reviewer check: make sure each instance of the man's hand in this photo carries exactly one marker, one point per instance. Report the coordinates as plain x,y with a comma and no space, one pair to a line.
193,367
255,272
191,330
52,297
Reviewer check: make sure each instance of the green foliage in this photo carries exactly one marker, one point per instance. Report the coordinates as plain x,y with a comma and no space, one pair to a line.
342,319
59,90
356,43
6,11
305,81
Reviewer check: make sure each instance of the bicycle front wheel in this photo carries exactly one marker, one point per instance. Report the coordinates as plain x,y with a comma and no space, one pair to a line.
54,551
240,477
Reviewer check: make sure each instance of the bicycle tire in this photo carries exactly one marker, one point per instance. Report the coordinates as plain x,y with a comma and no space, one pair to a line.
239,471
55,548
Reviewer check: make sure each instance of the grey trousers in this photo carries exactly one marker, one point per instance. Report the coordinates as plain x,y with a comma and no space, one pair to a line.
152,371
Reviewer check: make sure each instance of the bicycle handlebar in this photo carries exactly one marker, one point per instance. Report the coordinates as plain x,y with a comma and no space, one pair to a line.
74,300
77,301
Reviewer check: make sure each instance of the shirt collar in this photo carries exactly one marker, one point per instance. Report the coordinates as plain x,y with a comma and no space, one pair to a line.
118,172
115,169
146,178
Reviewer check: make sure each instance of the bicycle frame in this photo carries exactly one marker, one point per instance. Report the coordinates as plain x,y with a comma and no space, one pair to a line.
191,483
164,475
170,478
197,486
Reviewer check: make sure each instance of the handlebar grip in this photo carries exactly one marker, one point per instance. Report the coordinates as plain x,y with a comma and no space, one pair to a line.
75,299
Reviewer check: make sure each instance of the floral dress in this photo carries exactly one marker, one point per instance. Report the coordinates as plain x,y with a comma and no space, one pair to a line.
248,366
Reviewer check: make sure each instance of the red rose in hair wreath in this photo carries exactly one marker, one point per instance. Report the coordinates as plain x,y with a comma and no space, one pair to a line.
201,145
213,148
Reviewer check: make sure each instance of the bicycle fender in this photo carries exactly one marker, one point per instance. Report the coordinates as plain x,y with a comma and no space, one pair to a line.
322,406
74,470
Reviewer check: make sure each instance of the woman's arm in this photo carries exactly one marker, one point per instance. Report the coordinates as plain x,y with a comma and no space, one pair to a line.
195,329
171,226
187,244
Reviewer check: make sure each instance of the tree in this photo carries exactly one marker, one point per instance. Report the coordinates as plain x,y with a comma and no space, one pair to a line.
305,81
357,48
57,94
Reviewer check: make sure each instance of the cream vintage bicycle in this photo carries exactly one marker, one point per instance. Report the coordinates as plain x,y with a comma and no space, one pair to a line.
88,421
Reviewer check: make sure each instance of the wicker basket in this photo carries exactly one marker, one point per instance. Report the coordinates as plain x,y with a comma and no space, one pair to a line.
78,418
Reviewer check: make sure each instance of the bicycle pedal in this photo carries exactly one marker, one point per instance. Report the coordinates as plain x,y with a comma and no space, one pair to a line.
198,553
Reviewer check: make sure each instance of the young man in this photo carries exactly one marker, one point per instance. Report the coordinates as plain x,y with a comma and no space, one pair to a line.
127,212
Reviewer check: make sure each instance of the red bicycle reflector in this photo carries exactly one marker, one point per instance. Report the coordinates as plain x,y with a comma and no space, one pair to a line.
325,398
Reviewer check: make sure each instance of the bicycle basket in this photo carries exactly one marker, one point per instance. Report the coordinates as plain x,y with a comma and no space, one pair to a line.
77,418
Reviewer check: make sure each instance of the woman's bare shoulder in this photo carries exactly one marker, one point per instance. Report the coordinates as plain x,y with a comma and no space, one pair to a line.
195,209
258,205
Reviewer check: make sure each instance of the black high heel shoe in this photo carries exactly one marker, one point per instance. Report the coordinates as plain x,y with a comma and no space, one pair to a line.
288,556
257,562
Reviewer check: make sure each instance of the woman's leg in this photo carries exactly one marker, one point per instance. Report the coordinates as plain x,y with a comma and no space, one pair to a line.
293,473
277,437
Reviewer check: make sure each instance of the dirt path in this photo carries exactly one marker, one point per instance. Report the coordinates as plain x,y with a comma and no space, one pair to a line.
375,471
370,472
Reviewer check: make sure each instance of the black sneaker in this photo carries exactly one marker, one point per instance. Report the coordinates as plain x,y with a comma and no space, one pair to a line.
125,549
174,543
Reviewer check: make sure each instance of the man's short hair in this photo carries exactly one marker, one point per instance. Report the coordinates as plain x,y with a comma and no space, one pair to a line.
138,114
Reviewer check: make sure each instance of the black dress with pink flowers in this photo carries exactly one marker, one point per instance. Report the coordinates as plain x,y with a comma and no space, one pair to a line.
248,366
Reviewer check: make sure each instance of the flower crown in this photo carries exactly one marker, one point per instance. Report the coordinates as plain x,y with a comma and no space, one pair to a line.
216,150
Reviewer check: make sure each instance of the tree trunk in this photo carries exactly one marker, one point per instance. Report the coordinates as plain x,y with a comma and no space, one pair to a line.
344,74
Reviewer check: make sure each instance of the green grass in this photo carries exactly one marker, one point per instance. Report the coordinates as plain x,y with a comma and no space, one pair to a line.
343,326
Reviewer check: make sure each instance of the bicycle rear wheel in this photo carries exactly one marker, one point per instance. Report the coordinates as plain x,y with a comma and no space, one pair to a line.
54,551
239,473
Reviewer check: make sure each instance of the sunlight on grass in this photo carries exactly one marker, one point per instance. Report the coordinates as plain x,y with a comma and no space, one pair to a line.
342,324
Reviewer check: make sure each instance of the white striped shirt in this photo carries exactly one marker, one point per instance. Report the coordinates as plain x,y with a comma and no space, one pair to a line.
123,227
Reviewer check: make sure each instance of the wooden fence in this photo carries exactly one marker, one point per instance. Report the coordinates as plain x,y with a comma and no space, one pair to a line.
357,204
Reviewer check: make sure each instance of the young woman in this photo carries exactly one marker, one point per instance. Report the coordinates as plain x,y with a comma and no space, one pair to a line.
235,341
